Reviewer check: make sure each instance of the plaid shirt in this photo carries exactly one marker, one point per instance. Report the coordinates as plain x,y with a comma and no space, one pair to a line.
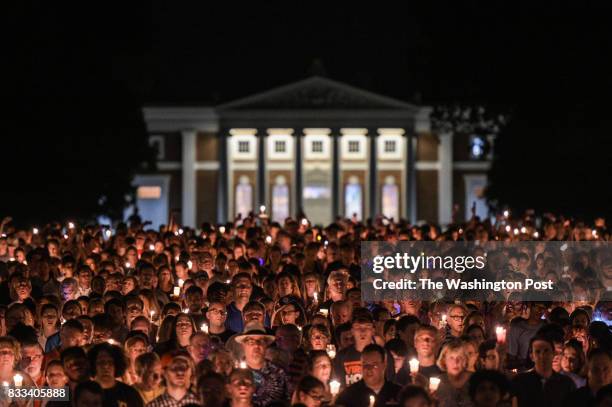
165,400
270,385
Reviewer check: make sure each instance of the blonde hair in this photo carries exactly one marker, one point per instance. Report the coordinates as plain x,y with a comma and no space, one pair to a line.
14,344
452,346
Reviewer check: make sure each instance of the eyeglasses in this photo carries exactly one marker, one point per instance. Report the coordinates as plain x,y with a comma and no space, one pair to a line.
457,318
254,342
316,397
220,312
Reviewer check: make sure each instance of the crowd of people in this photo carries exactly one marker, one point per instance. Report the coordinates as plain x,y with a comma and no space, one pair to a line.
255,313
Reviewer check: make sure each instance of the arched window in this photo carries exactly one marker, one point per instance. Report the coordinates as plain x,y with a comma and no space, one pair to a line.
280,200
353,198
390,198
244,196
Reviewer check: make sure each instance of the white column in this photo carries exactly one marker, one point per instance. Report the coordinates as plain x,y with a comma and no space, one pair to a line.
445,179
189,178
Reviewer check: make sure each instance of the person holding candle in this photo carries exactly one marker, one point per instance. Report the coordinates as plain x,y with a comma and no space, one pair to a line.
318,337
10,357
320,366
425,343
31,361
134,346
453,386
372,384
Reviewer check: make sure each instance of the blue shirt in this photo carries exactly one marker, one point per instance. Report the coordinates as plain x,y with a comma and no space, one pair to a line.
234,320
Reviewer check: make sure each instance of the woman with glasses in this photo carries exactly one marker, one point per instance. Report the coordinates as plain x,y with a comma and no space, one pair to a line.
310,392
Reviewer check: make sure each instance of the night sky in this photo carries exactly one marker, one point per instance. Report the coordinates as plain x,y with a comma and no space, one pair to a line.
79,76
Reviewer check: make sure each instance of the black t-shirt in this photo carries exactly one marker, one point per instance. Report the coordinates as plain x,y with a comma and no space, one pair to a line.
225,335
403,375
122,395
531,389
358,395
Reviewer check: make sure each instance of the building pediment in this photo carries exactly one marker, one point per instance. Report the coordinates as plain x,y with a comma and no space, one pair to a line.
317,93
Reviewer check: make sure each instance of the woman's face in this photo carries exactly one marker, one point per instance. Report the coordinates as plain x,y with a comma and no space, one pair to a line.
184,329
318,340
127,286
455,362
472,356
153,376
164,276
223,364
311,285
289,314
569,360
7,358
321,369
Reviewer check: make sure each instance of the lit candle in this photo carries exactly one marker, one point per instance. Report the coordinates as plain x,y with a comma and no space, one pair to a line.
316,297
443,321
35,231
508,228
324,311
151,314
268,239
523,229
414,365
177,291
506,214
18,379
222,229
181,282
127,265
434,382
305,222
204,328
331,351
334,387
372,400
186,311
228,281
189,264
70,225
500,332
112,341
108,233
180,231
536,235
151,247
516,231
243,365
65,236
262,209
176,258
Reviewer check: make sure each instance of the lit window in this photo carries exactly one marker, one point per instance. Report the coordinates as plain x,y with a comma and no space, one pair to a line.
477,148
317,146
148,192
280,146
243,147
353,146
389,146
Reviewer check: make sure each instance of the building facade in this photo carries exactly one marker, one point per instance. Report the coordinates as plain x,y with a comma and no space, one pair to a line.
317,147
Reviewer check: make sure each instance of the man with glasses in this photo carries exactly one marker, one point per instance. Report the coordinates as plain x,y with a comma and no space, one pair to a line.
178,381
373,383
271,384
31,361
454,328
216,316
